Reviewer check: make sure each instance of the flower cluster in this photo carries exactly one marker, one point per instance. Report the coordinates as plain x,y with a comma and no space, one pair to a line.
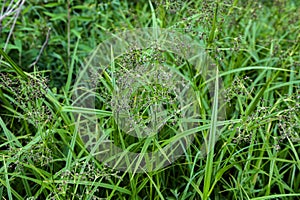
38,154
288,118
284,117
87,171
239,87
146,88
28,97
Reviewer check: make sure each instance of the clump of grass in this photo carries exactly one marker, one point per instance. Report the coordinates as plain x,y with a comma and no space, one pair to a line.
254,44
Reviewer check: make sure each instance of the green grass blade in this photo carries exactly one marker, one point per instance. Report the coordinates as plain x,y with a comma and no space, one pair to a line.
71,70
8,188
9,135
258,96
18,70
211,142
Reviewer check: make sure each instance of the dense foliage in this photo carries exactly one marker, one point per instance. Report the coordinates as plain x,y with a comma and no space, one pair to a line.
255,45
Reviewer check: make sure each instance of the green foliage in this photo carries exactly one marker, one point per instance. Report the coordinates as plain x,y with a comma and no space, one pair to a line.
255,45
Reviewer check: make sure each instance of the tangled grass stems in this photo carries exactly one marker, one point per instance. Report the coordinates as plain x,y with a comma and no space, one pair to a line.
254,44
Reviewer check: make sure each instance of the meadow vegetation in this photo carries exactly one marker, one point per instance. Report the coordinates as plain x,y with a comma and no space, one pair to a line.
254,44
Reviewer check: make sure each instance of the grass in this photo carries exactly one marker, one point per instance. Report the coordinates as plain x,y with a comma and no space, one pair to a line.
243,124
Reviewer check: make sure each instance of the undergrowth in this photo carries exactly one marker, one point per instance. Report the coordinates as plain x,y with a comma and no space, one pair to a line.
254,44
